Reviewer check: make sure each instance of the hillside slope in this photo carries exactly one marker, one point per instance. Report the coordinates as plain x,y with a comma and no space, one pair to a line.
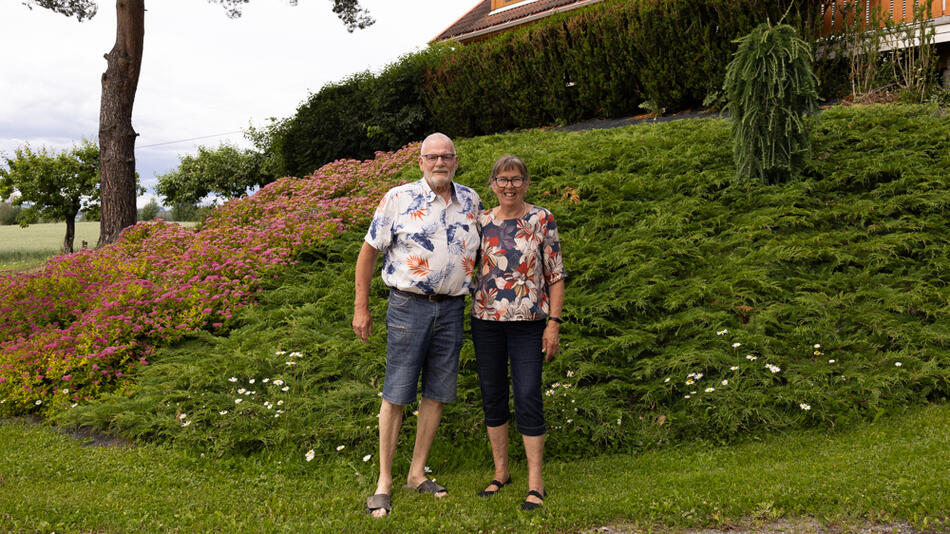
697,307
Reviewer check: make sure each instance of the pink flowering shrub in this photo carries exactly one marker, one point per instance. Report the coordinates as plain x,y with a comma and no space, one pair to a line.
81,324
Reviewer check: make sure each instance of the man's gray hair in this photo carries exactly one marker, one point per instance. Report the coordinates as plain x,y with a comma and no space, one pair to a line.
434,136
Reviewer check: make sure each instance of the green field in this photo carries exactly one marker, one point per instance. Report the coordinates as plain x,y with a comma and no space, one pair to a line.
26,248
45,237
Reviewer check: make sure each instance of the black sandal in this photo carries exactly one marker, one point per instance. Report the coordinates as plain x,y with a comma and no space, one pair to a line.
488,493
528,505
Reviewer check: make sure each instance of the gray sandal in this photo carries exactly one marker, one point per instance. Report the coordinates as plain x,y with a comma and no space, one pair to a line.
428,486
380,501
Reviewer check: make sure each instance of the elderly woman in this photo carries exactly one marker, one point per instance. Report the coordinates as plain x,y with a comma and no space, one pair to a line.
516,319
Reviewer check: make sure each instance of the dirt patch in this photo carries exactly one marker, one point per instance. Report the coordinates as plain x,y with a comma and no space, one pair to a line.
86,436
92,438
600,124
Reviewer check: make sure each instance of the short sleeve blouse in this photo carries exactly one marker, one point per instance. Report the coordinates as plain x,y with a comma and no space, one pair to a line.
520,259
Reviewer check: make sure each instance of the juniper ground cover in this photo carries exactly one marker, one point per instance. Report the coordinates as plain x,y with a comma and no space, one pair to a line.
698,307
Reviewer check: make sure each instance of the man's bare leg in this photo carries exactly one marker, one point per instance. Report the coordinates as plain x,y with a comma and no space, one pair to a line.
390,420
430,414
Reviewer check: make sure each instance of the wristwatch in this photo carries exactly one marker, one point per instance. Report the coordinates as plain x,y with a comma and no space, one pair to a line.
557,320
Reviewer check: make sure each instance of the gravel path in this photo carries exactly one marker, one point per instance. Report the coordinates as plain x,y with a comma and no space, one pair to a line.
600,124
781,526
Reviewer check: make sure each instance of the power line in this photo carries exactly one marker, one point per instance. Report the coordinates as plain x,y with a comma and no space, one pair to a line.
191,139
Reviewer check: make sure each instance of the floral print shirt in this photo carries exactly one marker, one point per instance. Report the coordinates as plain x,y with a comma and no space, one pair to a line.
428,246
520,258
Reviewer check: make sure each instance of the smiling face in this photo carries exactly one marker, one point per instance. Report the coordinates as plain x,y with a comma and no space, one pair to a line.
510,186
439,172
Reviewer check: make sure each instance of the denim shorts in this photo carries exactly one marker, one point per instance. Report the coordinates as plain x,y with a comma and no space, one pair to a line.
498,345
424,338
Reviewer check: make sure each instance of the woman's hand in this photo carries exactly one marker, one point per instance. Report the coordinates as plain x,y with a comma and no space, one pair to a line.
550,340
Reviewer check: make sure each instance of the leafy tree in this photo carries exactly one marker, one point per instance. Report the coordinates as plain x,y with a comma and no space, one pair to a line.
185,212
149,211
119,83
226,171
771,87
9,214
269,141
53,186
358,116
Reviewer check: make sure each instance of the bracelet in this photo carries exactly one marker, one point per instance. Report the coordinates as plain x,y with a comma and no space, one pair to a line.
557,320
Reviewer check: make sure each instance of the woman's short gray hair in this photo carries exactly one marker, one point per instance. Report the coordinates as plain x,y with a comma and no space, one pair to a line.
509,162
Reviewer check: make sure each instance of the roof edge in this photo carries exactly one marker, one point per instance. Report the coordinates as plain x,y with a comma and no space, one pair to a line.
463,37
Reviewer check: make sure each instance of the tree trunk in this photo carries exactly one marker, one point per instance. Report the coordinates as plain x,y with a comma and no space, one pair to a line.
116,136
70,234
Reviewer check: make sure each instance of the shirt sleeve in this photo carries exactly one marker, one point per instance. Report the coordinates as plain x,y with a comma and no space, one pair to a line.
551,248
380,233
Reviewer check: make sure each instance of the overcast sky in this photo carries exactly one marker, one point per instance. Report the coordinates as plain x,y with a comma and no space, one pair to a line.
203,75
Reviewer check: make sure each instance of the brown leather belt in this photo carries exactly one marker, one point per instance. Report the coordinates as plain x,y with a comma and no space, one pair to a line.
436,297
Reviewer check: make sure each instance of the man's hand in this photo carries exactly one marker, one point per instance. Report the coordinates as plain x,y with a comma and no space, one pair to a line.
362,323
550,340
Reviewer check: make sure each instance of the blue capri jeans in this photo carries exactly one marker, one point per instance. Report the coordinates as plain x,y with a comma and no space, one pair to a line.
499,344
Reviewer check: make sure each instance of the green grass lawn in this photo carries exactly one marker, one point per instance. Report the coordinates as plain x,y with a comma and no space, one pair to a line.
891,471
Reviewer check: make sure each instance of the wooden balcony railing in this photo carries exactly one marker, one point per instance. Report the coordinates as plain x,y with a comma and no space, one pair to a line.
898,10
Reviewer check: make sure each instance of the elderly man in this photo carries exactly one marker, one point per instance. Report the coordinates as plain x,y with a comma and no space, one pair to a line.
426,232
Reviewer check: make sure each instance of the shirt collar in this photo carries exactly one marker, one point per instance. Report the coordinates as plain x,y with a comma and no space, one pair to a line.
430,194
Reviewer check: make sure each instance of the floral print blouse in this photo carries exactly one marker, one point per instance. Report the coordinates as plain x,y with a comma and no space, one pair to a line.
519,259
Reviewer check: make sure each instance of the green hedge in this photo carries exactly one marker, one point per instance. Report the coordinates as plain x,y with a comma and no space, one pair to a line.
602,61
358,116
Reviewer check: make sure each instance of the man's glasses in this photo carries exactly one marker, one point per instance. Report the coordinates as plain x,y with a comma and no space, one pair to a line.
504,181
432,158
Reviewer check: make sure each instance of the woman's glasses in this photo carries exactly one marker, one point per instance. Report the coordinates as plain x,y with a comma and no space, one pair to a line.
504,181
